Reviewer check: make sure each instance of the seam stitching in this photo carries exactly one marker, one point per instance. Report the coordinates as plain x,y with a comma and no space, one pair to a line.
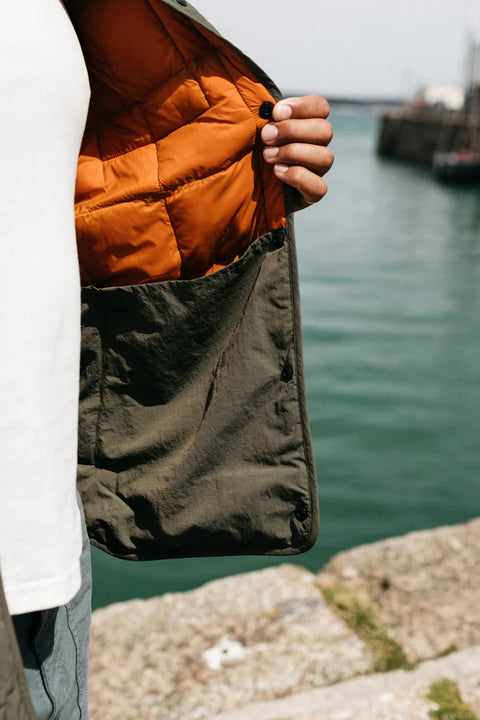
101,398
175,236
298,372
257,162
76,660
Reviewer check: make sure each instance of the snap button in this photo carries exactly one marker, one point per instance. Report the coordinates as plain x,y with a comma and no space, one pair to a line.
287,372
301,512
266,110
277,238
182,2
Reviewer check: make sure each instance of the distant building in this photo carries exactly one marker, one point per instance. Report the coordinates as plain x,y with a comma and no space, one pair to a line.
437,97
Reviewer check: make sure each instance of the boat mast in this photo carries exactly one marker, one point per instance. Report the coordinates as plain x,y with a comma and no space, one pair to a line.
473,83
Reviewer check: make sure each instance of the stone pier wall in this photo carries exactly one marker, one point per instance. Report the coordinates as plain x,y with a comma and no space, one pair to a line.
387,631
417,136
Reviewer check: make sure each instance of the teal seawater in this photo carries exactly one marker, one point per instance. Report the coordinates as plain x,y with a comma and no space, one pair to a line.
390,282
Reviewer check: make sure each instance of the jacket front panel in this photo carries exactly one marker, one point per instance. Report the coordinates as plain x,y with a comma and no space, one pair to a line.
193,430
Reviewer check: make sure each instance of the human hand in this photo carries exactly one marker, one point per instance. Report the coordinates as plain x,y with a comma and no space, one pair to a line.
296,145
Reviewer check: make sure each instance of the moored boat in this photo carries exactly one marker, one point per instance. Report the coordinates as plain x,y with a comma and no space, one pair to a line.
461,166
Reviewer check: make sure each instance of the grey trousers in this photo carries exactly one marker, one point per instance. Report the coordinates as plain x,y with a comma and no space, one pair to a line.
54,647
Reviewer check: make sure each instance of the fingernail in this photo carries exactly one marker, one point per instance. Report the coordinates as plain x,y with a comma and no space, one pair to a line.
269,133
270,153
282,111
281,168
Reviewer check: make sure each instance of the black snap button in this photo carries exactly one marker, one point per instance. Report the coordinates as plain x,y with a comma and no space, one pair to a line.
182,2
301,512
287,372
266,110
277,239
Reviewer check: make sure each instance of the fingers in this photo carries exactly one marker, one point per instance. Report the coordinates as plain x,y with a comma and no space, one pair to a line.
296,145
310,106
312,187
309,130
317,158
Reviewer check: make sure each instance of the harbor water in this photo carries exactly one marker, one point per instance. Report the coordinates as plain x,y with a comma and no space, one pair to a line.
390,283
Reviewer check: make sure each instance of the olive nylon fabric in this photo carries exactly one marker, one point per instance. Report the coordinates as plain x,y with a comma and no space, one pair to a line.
193,437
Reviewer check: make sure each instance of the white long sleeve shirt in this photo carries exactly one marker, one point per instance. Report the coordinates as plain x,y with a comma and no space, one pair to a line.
44,95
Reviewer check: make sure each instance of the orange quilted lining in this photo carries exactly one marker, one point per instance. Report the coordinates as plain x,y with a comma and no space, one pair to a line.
171,181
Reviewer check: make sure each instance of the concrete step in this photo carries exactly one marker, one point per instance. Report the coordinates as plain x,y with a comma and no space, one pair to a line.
399,695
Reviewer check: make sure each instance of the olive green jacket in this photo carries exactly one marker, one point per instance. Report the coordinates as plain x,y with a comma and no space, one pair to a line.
193,430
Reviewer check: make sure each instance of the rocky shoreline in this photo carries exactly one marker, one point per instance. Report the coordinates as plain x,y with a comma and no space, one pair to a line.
386,631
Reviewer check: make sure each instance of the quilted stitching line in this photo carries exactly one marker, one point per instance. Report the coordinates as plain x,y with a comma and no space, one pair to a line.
166,191
175,236
188,65
178,48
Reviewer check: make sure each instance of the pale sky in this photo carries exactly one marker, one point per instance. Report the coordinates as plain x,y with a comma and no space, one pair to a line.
350,47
